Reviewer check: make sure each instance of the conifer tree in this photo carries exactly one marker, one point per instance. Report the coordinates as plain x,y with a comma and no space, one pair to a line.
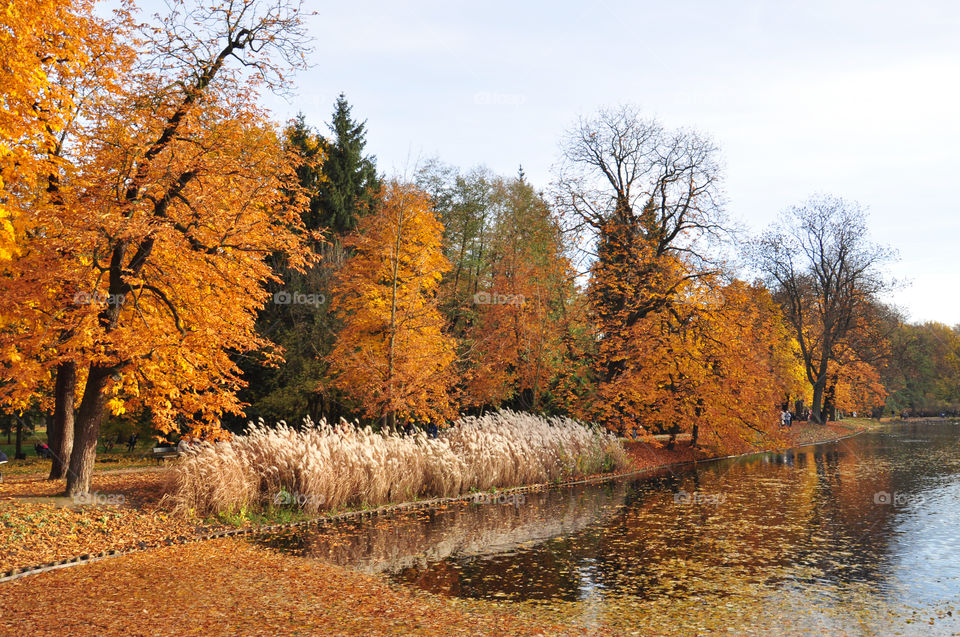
351,180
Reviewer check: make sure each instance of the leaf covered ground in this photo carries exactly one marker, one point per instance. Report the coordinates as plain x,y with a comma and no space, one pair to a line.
230,587
39,526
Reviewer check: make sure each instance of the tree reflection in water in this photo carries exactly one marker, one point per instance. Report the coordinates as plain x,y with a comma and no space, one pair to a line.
803,533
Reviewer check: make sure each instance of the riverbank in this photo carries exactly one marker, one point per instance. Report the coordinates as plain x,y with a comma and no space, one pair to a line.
128,511
230,586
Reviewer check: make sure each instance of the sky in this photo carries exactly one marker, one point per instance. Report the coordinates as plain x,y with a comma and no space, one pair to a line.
856,99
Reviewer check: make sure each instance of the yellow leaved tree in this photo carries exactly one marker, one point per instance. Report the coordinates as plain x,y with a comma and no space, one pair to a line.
392,355
147,269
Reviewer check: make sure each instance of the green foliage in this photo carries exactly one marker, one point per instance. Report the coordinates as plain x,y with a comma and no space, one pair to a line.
342,183
923,371
463,203
350,177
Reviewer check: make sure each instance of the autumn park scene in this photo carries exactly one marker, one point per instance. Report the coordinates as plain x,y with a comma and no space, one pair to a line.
477,320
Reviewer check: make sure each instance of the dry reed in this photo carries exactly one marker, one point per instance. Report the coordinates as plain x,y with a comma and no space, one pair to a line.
323,467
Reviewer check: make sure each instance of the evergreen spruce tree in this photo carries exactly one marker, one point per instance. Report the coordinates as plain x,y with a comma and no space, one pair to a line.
342,186
351,178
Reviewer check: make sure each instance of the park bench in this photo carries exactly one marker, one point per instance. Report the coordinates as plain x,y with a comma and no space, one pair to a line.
164,453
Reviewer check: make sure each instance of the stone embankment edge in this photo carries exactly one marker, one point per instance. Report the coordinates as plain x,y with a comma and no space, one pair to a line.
381,511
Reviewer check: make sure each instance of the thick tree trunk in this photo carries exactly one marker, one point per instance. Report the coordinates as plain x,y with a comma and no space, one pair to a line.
830,401
18,452
817,403
86,431
60,434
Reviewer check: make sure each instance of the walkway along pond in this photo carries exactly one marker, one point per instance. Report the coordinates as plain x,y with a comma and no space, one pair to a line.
860,536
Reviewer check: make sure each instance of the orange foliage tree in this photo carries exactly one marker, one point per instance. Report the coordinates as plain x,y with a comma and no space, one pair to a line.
63,64
516,345
392,354
180,188
675,349
46,47
715,365
646,198
746,363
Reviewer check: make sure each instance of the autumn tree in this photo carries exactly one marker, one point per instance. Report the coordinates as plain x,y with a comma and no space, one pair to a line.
182,188
64,63
392,355
743,361
516,346
642,200
827,274
854,376
45,46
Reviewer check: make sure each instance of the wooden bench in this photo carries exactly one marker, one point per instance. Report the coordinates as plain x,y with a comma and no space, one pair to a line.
164,453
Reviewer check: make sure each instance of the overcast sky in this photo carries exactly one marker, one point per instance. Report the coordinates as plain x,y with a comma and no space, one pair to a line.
859,99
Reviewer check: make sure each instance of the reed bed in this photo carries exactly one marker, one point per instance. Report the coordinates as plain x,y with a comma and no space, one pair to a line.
331,467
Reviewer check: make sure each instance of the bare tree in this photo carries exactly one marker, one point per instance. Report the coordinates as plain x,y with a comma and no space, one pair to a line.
827,274
641,200
621,168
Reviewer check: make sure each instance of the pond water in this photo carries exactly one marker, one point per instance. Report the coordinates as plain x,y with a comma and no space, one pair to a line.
861,536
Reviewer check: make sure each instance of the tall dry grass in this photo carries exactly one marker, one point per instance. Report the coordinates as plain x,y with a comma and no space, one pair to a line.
324,467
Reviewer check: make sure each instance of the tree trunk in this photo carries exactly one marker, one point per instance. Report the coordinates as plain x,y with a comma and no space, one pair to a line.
87,430
830,401
60,434
18,452
672,442
815,405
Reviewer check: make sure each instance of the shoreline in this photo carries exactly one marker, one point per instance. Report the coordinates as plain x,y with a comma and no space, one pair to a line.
634,449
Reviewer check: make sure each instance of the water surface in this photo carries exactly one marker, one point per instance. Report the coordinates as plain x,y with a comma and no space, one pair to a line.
861,536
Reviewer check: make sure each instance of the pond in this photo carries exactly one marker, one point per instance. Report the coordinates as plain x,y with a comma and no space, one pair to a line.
860,536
